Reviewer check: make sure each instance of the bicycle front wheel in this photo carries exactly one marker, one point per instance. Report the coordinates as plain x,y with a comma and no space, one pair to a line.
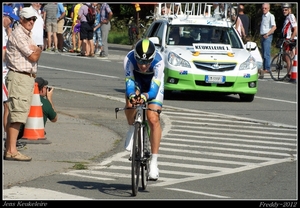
279,70
146,158
136,159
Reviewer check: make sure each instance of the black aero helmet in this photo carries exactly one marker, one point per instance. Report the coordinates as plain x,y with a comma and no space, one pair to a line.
286,5
144,51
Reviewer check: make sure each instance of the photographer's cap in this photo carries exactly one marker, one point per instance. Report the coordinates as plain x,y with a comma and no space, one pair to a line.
41,82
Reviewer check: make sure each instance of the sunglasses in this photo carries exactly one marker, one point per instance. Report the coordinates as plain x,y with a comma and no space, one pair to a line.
143,62
31,18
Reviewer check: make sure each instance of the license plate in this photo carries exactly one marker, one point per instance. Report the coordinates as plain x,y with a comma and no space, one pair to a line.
214,79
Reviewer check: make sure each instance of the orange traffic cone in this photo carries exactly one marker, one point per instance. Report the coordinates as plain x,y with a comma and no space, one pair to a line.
34,128
293,77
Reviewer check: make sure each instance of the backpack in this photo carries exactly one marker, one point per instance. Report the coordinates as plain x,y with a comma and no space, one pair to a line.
91,15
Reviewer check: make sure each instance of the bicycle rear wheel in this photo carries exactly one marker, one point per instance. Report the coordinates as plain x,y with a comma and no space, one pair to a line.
146,158
278,70
136,159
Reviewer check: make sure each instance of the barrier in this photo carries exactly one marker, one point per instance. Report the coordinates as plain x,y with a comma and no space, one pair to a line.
293,77
34,128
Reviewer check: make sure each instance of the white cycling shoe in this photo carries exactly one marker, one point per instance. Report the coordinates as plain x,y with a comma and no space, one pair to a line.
153,173
129,139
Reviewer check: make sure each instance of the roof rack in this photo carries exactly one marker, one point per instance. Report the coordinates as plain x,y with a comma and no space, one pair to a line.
191,10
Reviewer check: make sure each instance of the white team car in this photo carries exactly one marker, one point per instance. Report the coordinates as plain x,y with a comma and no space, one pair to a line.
204,52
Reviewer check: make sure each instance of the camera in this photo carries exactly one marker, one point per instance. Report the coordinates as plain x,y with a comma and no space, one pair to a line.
49,88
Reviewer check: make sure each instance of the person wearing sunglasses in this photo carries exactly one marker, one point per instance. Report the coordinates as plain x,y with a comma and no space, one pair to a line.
7,19
144,76
22,55
289,32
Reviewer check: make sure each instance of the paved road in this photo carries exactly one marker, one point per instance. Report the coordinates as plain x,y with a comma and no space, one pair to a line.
72,140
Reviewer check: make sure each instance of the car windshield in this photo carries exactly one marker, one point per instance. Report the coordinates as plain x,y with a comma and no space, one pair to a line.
189,34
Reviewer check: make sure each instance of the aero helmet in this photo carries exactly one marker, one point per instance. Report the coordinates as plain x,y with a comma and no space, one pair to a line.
286,5
144,51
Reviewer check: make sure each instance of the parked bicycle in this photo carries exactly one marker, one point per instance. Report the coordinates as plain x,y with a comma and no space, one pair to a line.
140,151
279,70
67,34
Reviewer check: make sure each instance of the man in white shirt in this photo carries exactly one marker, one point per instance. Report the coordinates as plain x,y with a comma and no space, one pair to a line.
38,27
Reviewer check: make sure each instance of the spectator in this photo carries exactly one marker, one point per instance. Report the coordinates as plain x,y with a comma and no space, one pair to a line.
289,32
22,55
17,7
218,10
163,10
177,9
238,24
97,31
38,27
45,46
267,28
60,26
105,17
244,18
50,19
8,18
86,32
144,71
49,111
46,94
76,28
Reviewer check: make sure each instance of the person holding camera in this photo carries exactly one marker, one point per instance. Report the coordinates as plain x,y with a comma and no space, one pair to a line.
46,93
49,111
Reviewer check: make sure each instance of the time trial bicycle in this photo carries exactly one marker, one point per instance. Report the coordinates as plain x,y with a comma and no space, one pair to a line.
140,151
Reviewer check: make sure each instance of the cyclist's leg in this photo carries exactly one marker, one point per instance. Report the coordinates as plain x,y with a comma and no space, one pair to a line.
155,132
286,58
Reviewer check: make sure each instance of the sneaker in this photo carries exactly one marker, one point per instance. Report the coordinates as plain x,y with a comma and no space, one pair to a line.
153,173
129,139
102,55
17,157
20,145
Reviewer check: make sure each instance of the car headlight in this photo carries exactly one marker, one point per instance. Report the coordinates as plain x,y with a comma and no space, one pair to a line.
250,63
175,60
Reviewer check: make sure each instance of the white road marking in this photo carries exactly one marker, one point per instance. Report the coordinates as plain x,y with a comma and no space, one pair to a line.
198,193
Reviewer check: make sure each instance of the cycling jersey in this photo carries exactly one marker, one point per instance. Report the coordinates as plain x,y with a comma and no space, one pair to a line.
288,26
151,82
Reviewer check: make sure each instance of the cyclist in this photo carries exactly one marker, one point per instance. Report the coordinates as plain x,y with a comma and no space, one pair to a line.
289,32
144,76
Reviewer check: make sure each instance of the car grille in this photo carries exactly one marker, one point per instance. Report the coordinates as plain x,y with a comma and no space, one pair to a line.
203,83
215,66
